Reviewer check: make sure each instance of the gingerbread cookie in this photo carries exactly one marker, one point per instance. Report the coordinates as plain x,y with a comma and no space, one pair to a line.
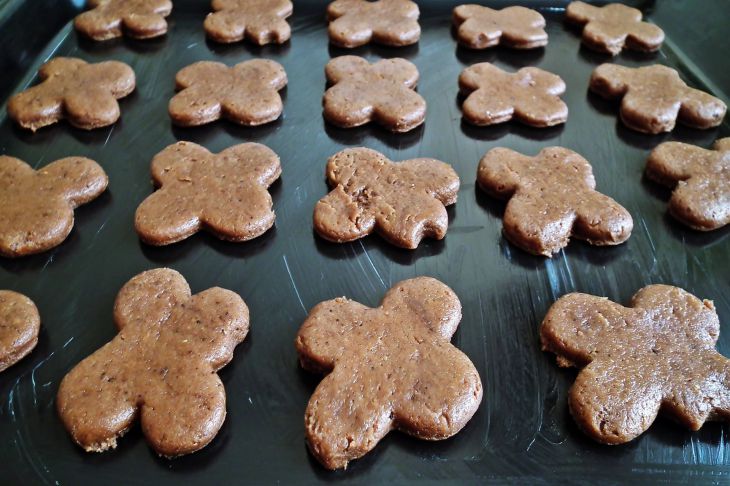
402,201
613,27
517,27
246,93
19,327
84,94
657,356
260,21
531,95
387,368
383,92
138,19
701,178
223,193
161,367
37,207
355,23
552,197
654,97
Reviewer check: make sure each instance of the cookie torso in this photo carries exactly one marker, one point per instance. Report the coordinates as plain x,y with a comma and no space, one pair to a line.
402,201
517,27
224,193
19,327
392,367
259,21
357,22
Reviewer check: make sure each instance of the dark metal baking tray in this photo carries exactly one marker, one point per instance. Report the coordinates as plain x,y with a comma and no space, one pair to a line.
522,432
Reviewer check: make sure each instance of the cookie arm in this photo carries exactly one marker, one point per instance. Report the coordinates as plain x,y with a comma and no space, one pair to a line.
601,220
343,67
701,110
167,216
440,178
258,162
76,179
580,12
671,162
340,218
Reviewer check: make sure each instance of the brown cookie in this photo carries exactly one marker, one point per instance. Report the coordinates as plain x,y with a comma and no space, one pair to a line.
260,21
138,19
392,367
355,23
402,201
613,27
517,27
654,97
160,367
531,95
657,356
19,327
84,94
701,178
552,198
37,207
222,193
246,93
383,92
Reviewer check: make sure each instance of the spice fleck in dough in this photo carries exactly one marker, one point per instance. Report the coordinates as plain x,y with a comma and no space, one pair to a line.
392,367
355,23
656,356
259,21
551,197
403,201
84,94
138,19
654,98
516,27
383,92
161,367
37,207
247,93
223,193
19,327
613,27
531,95
701,182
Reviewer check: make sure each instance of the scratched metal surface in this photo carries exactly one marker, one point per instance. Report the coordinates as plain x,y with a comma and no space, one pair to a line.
522,432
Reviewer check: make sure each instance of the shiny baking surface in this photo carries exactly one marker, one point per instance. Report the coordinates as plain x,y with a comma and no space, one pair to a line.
522,432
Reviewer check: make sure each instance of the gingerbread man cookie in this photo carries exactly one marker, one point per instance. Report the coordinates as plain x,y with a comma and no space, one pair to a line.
654,97
551,197
517,27
392,367
19,327
701,178
223,193
260,21
355,23
383,92
37,207
247,93
138,19
84,94
531,95
160,368
402,201
613,27
656,356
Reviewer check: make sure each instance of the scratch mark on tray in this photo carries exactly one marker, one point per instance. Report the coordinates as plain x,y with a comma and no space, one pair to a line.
294,285
48,262
108,136
370,260
32,377
190,46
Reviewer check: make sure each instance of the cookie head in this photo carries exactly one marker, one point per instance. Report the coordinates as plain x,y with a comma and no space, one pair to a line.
259,21
654,98
223,193
656,356
160,368
382,92
19,327
614,27
516,27
84,94
531,96
392,367
402,201
247,93
37,206
700,179
552,198
138,19
355,23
